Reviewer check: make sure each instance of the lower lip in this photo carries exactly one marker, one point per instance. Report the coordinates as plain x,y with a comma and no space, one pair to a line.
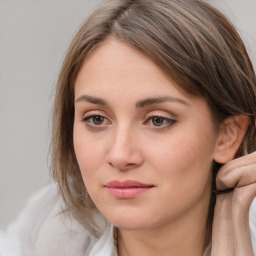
127,193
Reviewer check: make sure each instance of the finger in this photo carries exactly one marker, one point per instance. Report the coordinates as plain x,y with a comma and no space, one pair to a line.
242,198
240,174
249,158
240,162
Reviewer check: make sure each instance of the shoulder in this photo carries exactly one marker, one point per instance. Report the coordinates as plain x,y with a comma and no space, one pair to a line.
43,228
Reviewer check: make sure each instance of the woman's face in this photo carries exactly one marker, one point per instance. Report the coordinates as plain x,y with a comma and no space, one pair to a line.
144,148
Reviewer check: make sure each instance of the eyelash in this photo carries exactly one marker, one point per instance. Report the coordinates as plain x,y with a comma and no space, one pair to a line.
167,121
89,118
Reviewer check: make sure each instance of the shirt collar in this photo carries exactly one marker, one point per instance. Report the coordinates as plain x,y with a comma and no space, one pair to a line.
106,245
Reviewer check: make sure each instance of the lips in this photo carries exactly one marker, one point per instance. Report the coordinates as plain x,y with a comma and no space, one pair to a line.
127,189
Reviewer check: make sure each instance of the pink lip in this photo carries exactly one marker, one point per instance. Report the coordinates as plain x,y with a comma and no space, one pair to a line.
127,189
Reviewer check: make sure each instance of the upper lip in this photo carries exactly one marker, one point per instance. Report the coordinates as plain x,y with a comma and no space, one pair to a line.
127,184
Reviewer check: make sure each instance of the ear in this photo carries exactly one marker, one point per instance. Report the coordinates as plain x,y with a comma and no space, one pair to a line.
230,136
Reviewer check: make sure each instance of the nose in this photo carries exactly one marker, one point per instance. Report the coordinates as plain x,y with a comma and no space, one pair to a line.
124,150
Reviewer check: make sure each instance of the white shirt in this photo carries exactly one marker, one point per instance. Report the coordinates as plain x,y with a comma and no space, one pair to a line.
43,229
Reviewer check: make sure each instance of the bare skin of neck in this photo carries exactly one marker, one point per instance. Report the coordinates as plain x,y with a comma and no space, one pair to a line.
183,236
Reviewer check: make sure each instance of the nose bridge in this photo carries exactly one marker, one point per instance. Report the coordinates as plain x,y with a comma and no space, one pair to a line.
122,138
124,151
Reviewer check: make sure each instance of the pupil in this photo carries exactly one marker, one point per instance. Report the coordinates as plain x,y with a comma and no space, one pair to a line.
157,121
98,120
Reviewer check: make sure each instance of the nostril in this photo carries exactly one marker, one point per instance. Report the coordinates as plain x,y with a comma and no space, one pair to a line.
110,164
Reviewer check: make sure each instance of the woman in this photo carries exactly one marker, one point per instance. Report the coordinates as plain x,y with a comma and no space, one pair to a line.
154,116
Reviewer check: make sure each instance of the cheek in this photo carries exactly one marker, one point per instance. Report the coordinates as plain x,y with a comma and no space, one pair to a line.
184,170
89,154
90,160
184,159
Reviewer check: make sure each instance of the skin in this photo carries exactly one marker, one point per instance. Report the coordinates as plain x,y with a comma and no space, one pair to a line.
118,137
231,233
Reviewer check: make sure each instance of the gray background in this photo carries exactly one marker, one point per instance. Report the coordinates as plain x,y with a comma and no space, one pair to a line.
33,38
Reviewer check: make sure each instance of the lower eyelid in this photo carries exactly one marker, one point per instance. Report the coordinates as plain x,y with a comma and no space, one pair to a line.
89,122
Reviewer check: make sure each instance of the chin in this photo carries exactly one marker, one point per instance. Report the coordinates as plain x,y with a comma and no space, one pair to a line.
130,220
131,225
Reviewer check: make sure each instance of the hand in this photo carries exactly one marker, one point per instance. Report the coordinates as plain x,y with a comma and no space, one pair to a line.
231,232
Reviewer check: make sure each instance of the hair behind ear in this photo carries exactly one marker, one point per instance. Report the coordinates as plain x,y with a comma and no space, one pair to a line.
230,137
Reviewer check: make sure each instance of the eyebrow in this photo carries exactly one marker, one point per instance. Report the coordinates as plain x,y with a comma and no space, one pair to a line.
93,100
140,104
157,100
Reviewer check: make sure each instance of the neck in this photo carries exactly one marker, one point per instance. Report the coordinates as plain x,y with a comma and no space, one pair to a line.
184,236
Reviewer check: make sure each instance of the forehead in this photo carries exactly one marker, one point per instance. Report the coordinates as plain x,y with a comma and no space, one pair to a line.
115,66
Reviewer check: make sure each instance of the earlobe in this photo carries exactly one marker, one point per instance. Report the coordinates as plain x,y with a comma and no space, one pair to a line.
230,137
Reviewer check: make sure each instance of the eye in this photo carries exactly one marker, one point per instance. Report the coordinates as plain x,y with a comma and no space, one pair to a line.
160,121
95,120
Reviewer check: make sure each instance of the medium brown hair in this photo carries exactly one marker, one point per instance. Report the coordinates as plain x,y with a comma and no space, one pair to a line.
193,43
